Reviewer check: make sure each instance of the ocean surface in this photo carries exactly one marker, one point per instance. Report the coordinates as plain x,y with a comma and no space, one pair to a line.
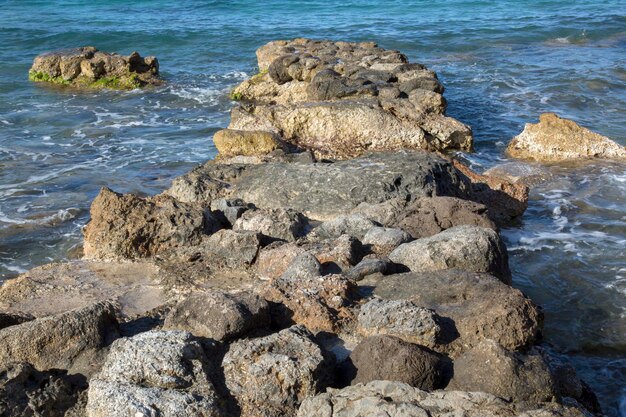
503,63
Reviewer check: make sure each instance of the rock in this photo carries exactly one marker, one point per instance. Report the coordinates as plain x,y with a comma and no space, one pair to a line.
385,239
126,226
473,307
228,211
400,318
160,373
521,172
319,303
353,225
554,139
304,265
397,399
277,223
241,142
87,67
11,319
342,99
236,247
505,200
25,391
75,340
472,248
323,191
368,267
516,377
219,315
270,376
392,359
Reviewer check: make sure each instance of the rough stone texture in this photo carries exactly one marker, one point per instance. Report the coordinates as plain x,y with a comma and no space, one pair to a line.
341,99
304,265
241,142
368,267
554,139
228,211
276,223
353,225
236,247
88,67
473,307
126,226
154,373
517,377
385,239
270,376
323,191
400,318
75,340
395,399
11,319
26,392
319,303
505,200
522,172
219,315
472,248
392,359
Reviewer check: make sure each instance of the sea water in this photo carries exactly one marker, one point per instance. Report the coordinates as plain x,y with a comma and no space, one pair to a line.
503,63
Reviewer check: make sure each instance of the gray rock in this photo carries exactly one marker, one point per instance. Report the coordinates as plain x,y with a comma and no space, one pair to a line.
399,318
26,392
472,248
392,359
156,373
304,265
236,247
230,210
473,307
75,340
367,267
385,239
219,315
277,223
270,376
323,191
396,399
353,225
517,377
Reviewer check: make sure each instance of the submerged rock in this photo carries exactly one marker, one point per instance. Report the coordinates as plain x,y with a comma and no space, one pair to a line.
342,99
554,139
87,67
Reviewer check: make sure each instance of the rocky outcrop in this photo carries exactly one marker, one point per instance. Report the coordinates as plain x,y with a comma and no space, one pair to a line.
470,248
219,315
75,340
554,139
342,99
154,373
272,375
88,67
401,400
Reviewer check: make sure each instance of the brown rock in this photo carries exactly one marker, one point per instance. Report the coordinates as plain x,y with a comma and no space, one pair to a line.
241,142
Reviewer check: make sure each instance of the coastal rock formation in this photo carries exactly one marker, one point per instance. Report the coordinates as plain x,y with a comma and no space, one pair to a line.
270,376
87,67
244,142
342,99
401,400
554,139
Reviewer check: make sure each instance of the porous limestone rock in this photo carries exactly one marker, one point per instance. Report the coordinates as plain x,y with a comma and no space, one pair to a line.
87,67
472,248
219,315
555,139
385,239
270,376
156,373
276,223
231,142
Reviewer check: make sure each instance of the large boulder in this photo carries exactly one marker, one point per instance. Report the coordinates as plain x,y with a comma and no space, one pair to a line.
127,226
390,398
392,359
471,248
219,315
341,99
270,376
86,67
156,373
323,191
554,139
473,307
75,340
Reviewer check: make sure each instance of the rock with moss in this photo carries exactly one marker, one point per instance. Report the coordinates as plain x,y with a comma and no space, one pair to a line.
87,67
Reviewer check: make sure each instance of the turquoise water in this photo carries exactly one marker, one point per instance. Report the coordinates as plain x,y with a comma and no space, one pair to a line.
503,63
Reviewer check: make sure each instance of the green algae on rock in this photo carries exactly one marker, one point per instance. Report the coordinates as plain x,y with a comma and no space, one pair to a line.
86,67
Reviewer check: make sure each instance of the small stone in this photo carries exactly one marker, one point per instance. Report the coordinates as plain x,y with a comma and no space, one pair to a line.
385,239
281,224
231,142
367,267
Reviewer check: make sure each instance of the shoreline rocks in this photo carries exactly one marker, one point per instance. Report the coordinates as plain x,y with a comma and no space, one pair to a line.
87,67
